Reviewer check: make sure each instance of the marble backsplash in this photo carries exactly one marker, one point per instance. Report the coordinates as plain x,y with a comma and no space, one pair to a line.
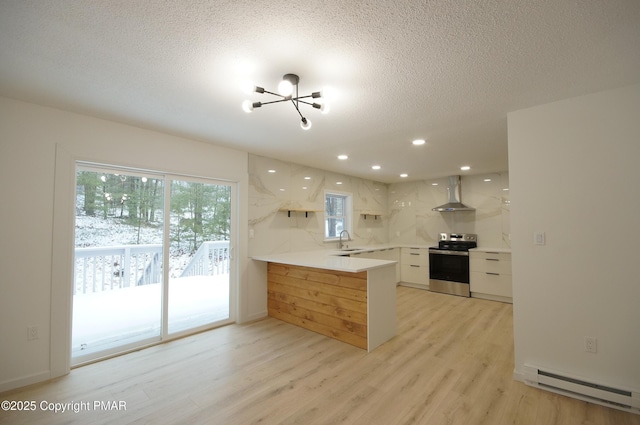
275,186
405,208
411,220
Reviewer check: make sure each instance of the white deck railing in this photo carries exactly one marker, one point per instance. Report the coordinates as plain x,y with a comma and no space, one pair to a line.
113,267
212,258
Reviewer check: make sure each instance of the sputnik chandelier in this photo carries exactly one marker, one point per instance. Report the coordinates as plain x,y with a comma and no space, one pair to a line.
285,93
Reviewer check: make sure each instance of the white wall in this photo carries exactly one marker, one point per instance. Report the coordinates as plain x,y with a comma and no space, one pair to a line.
574,175
36,226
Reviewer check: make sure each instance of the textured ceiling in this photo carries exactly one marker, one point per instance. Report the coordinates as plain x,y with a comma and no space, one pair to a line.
445,71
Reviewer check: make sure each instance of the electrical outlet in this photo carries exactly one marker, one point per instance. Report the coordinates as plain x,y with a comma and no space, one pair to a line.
32,333
590,344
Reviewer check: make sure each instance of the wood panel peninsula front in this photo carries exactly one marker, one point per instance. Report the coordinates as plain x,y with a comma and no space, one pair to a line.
352,300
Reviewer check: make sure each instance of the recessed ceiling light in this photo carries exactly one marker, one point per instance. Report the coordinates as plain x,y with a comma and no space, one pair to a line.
505,189
375,167
343,157
465,168
304,187
272,171
487,180
403,175
418,142
307,178
434,184
281,190
338,182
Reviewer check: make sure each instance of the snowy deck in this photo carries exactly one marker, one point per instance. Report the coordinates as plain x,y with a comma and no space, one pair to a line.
104,320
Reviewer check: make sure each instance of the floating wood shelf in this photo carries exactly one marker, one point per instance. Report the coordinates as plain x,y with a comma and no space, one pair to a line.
304,210
373,213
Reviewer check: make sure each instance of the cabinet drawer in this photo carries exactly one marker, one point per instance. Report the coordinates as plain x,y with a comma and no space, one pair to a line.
389,254
501,256
415,256
492,284
490,264
414,274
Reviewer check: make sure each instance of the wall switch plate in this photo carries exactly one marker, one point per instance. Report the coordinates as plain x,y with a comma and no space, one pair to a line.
539,238
590,344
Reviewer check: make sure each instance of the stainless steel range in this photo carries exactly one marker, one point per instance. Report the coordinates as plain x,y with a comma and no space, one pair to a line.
449,263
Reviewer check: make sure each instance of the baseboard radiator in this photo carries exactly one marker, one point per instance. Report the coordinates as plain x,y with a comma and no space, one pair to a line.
618,398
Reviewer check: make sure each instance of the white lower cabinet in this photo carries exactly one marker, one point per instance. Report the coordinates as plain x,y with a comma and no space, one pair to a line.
490,275
391,254
414,267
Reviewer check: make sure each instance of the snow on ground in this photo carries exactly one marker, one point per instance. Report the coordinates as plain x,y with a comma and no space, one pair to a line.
97,231
103,320
113,231
107,319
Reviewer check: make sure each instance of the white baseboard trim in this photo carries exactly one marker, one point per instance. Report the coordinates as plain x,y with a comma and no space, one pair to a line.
518,376
256,316
35,378
492,297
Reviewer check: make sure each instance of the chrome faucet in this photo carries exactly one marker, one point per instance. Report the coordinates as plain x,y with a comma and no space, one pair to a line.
348,238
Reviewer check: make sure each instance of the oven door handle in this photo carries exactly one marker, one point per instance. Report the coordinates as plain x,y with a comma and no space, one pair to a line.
440,251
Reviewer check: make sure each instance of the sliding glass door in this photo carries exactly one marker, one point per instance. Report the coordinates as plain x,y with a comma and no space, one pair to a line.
200,254
129,225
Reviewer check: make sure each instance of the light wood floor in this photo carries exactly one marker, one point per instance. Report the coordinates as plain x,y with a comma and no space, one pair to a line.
451,363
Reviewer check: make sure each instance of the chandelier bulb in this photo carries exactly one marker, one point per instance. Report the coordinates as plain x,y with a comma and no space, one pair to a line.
248,87
327,93
247,106
285,88
324,107
305,124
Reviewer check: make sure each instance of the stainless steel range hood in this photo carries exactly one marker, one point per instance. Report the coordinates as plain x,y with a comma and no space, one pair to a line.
455,203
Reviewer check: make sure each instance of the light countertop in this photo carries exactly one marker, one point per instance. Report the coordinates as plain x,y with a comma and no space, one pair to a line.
379,247
334,259
326,259
490,249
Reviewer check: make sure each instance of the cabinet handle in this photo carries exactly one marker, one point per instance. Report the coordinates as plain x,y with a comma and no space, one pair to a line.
413,265
493,274
413,253
492,259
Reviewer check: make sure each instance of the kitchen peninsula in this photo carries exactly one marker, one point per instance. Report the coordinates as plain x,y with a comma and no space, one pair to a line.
349,299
